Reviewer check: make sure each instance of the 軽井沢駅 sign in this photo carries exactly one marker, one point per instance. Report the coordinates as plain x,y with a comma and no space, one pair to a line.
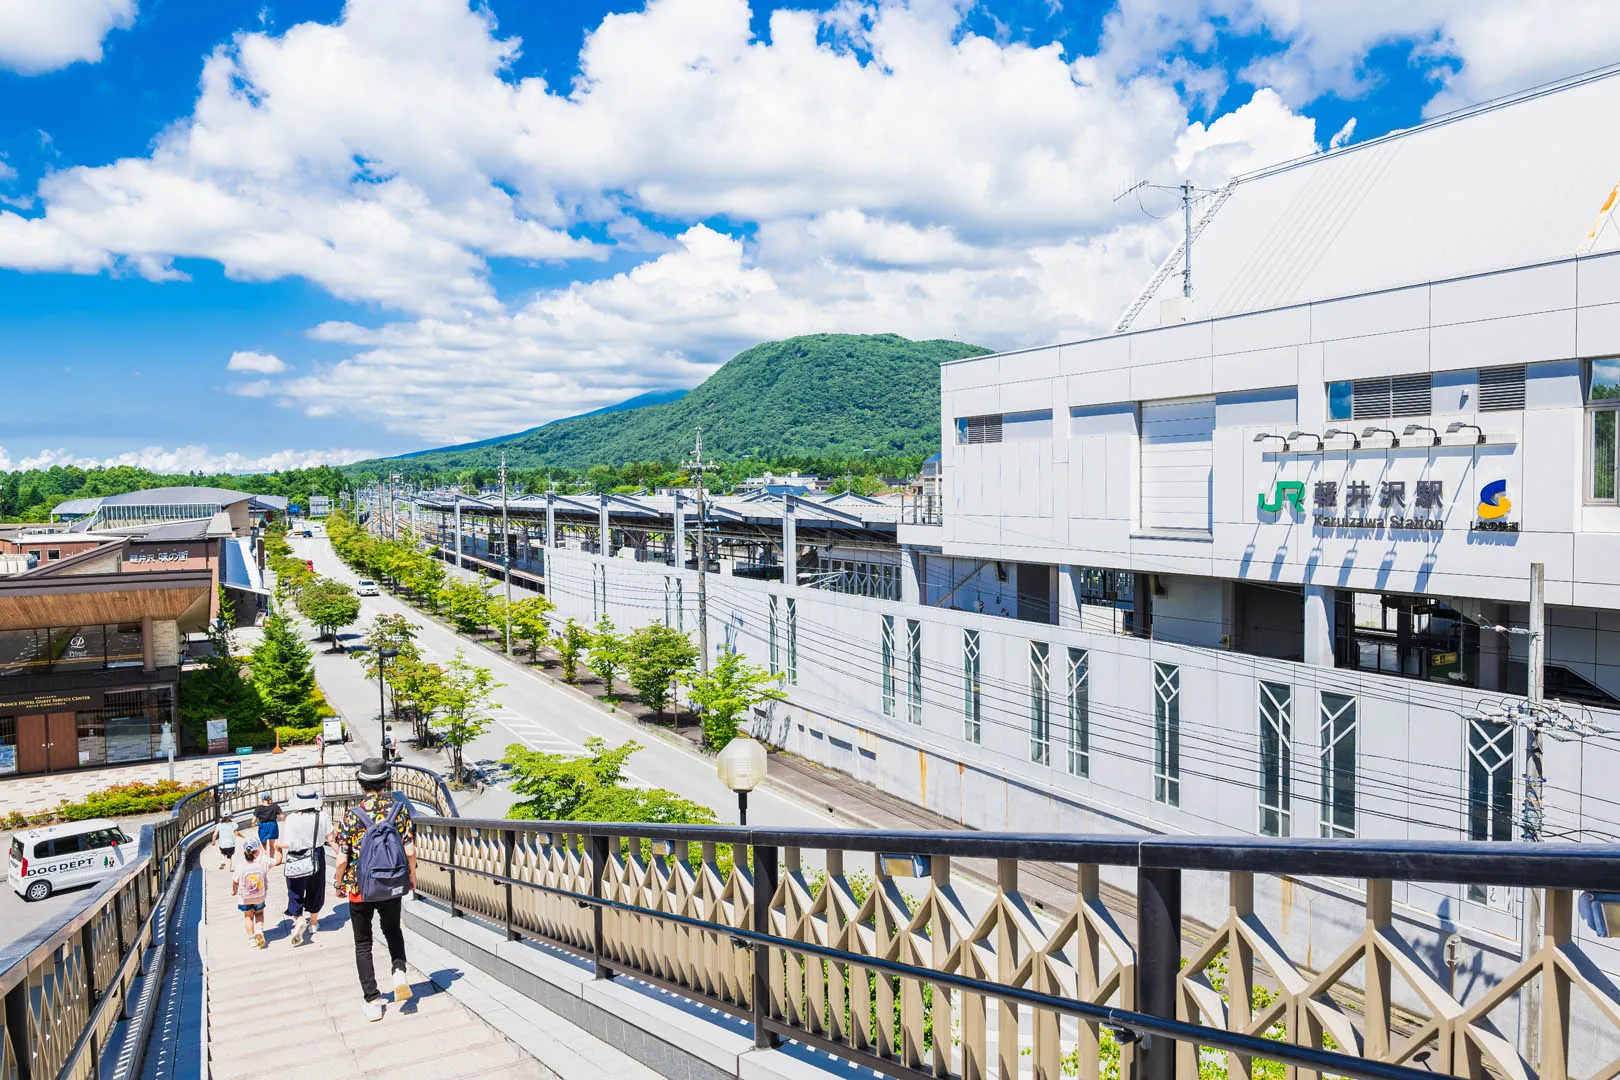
1385,504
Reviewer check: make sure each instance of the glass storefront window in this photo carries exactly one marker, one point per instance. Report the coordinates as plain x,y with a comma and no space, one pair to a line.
24,652
78,648
8,745
71,648
125,647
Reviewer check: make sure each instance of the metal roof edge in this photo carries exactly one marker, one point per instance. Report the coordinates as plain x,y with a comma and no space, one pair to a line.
1471,275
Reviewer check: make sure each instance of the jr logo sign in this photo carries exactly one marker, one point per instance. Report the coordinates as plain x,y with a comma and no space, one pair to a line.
1286,493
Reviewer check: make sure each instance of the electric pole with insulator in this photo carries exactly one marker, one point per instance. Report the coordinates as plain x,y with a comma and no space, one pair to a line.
506,555
697,468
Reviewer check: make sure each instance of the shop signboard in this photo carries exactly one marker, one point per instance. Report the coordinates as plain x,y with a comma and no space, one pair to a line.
219,738
8,760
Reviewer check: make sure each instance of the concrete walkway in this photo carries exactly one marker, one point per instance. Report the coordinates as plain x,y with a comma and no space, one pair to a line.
294,1013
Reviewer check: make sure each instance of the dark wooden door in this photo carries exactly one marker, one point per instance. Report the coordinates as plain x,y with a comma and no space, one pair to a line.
62,740
31,744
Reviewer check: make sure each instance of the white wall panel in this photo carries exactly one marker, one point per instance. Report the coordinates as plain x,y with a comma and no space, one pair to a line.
1395,353
1597,330
1517,339
1373,313
1512,292
1262,330
1177,464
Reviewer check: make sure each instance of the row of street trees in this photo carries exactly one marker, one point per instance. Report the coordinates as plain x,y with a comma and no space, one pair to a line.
656,660
452,702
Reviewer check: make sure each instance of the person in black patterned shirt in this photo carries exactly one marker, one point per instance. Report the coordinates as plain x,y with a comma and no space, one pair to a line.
377,802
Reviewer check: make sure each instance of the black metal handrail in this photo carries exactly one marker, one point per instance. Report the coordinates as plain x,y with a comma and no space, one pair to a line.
1460,862
1135,1024
466,880
69,984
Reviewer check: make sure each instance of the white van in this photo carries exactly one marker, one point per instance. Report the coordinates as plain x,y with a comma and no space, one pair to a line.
57,857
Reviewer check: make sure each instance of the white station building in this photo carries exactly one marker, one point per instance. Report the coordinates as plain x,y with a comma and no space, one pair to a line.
1259,561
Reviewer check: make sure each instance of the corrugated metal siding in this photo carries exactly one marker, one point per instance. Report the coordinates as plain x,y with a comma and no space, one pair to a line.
1178,460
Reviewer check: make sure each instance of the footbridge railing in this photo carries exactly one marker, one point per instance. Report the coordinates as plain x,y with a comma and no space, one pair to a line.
85,983
869,946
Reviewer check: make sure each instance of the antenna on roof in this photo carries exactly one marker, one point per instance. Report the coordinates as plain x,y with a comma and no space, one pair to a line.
1189,195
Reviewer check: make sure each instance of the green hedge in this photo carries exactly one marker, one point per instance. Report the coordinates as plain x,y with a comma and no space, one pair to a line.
120,800
298,736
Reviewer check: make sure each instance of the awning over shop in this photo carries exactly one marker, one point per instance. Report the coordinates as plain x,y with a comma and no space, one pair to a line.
242,567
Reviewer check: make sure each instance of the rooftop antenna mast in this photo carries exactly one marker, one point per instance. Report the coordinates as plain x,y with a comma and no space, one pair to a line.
1189,195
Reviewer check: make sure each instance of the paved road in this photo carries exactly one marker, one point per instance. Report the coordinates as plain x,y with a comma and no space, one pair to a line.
534,713
18,917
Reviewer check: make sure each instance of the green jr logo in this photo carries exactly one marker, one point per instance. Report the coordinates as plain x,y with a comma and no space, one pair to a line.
1286,491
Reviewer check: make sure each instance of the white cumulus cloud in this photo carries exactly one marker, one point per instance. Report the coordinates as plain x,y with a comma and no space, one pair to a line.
873,166
42,35
261,363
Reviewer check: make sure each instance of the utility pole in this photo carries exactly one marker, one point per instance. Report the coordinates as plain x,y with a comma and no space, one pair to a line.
697,469
1186,232
1533,813
506,555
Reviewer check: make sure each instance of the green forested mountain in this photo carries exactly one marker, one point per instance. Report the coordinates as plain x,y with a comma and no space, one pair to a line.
821,395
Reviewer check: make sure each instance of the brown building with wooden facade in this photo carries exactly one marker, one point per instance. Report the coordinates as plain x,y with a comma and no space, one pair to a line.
90,661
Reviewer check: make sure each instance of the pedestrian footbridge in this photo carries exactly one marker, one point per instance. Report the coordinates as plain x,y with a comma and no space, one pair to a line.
568,949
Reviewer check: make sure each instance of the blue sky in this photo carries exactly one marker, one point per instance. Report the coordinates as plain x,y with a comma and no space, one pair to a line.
414,222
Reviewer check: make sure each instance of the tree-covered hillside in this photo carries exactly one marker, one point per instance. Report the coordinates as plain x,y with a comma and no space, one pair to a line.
822,395
29,495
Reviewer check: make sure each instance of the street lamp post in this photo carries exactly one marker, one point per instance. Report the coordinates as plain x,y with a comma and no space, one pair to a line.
741,767
383,656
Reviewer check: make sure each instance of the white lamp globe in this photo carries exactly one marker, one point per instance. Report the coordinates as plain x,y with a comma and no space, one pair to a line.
741,765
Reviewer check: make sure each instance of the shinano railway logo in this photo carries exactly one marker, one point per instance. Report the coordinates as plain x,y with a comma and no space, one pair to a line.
1493,509
1286,492
1493,501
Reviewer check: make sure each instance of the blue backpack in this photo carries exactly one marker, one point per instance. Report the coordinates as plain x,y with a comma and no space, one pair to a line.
382,873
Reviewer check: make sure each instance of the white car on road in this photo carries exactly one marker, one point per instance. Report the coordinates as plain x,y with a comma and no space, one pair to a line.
44,861
365,587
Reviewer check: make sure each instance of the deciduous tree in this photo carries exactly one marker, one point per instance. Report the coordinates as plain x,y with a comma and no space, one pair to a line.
606,659
729,690
571,642
463,706
655,656
529,623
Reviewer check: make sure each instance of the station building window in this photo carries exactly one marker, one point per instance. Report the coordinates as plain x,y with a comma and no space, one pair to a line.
972,699
1167,734
1079,712
887,646
1338,763
914,672
1415,637
1040,703
1276,758
1602,428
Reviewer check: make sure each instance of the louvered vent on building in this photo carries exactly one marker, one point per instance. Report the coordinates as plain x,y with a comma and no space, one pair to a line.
983,429
1380,399
1501,388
